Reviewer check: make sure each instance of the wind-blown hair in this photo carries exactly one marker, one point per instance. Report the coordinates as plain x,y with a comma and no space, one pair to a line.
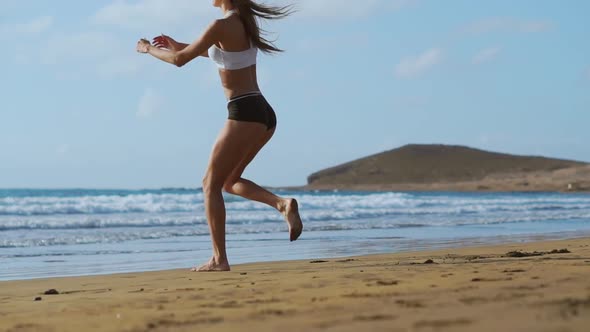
250,11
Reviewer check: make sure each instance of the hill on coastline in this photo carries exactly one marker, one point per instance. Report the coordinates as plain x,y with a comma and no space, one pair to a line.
449,167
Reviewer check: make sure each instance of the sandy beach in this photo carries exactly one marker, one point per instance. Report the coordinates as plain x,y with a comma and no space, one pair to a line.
541,287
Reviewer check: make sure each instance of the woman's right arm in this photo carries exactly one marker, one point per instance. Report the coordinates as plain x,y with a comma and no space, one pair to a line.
179,58
204,54
168,42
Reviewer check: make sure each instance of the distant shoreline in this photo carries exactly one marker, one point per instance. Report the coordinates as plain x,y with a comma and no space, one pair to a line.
424,188
460,187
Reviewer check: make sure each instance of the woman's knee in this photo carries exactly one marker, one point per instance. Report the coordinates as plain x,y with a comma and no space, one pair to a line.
228,185
212,183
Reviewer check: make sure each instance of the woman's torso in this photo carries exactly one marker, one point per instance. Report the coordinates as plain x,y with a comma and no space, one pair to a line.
236,82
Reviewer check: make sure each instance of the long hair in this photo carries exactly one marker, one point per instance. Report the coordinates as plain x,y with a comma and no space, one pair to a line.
249,12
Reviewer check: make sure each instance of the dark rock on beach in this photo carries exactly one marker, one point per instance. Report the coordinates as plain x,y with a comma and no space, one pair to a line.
536,253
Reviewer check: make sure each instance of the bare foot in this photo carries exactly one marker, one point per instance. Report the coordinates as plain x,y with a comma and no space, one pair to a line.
212,266
291,212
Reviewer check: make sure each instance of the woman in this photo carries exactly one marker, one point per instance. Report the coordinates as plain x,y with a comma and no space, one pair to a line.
232,42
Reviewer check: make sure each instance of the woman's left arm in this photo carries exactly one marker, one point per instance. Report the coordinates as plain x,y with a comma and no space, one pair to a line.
184,56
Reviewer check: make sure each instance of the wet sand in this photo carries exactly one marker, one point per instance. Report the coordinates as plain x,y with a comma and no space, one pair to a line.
538,287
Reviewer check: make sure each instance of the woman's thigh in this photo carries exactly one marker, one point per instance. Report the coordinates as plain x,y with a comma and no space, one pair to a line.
241,166
234,143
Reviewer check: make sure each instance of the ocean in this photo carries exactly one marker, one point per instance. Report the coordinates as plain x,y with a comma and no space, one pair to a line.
49,233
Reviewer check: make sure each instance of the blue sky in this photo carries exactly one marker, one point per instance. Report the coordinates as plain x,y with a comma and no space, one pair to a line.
81,109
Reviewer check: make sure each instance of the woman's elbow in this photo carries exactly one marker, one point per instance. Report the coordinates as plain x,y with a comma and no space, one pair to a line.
177,61
180,60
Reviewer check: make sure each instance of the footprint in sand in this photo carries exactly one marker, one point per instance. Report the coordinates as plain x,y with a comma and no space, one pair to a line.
410,303
385,282
442,323
490,279
374,317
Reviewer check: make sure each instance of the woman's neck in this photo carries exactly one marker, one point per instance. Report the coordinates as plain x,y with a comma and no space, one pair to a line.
227,9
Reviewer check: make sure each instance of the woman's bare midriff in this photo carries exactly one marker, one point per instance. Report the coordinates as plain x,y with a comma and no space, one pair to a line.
238,82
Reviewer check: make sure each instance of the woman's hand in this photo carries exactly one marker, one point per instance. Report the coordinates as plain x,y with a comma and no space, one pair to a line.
167,42
143,46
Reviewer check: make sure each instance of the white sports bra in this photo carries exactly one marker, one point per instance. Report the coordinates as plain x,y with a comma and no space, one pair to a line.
233,60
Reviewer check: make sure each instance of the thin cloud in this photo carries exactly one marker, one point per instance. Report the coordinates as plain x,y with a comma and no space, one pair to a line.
507,24
150,13
149,104
75,47
33,27
399,4
109,56
486,55
414,66
336,9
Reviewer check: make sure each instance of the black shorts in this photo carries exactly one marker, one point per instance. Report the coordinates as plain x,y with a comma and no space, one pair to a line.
252,107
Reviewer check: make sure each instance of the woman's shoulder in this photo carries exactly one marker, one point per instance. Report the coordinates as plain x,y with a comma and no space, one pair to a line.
217,24
222,24
216,29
